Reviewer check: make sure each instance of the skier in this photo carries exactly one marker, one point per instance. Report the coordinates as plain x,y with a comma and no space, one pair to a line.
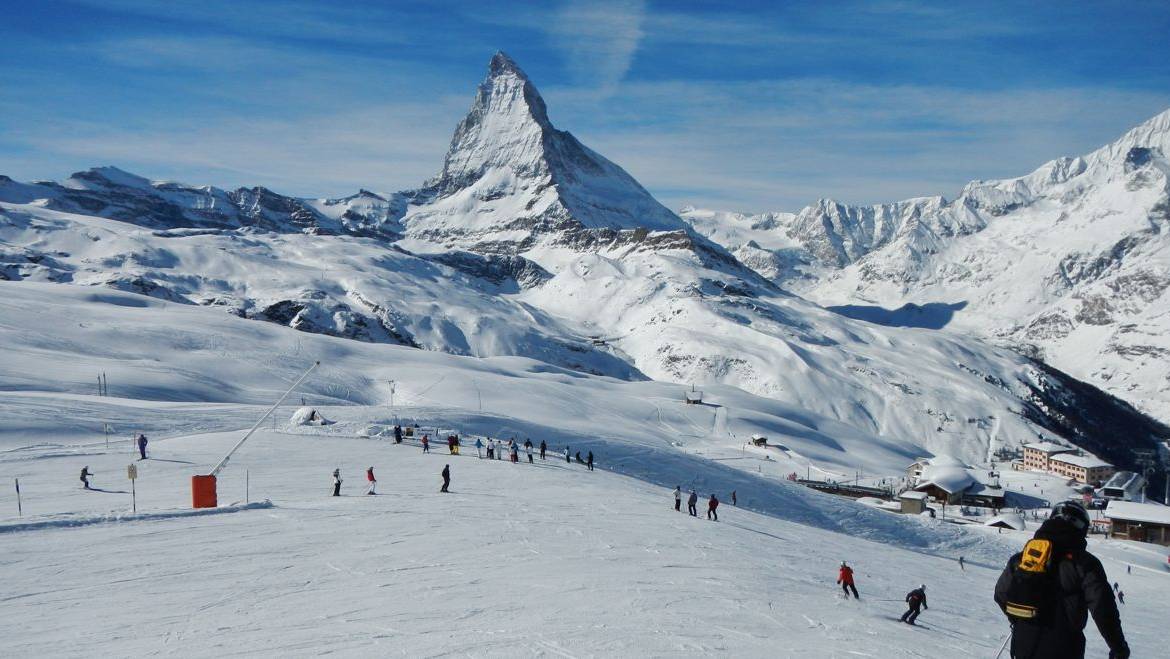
962,564
479,447
567,459
1081,588
589,461
336,482
845,578
678,498
452,442
85,474
142,446
543,447
446,478
397,434
426,442
373,481
915,598
733,501
515,453
1116,586
491,448
579,460
712,504
1121,596
500,450
528,449
691,501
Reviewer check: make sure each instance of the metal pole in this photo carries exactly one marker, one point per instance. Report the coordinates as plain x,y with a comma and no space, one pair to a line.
19,507
133,496
223,463
1004,645
247,485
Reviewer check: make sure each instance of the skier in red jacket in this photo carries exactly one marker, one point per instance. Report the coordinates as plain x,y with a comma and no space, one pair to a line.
845,578
373,481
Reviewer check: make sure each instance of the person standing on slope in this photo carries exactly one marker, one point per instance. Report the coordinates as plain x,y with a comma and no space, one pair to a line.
528,449
691,502
397,434
543,448
500,449
446,478
567,459
915,599
85,474
336,482
479,447
1079,587
712,504
678,498
962,564
845,578
589,461
372,481
426,442
491,448
142,446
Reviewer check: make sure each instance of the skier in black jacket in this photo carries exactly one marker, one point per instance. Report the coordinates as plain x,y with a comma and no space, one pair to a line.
915,599
446,478
1082,588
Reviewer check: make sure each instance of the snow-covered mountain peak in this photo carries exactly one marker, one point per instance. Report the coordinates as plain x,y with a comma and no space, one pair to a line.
509,176
104,178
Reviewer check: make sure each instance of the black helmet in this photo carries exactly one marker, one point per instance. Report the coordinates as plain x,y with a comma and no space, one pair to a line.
1073,513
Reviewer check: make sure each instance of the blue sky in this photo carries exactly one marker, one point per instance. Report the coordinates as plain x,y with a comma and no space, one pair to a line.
745,106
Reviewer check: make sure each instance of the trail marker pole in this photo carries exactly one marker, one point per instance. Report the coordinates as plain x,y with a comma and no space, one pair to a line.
19,507
132,474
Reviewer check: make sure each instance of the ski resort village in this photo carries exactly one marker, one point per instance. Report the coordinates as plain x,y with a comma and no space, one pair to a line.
266,390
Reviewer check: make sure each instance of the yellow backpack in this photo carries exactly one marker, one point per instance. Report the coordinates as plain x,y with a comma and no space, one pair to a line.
1033,584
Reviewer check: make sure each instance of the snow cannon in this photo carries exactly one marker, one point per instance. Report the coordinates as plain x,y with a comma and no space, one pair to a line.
203,487
203,494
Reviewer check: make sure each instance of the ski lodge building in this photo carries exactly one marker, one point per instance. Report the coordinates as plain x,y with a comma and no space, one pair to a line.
1067,462
947,480
1144,522
1124,486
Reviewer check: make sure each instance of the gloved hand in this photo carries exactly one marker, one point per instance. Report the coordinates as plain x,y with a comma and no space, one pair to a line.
1119,653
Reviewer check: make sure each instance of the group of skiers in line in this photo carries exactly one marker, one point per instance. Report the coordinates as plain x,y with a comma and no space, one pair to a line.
915,599
495,450
693,500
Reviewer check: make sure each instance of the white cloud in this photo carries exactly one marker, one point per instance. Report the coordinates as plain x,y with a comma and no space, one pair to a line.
599,40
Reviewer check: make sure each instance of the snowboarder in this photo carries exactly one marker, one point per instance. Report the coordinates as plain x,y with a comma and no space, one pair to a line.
142,446
336,482
915,599
479,447
373,481
397,434
845,578
446,478
85,474
543,447
426,442
733,500
528,449
567,459
962,564
1081,588
691,501
678,498
712,504
589,461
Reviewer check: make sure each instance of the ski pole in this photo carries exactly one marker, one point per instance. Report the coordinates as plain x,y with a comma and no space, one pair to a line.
1004,645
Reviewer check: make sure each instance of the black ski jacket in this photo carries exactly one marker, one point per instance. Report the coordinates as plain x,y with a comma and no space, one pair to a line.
1083,589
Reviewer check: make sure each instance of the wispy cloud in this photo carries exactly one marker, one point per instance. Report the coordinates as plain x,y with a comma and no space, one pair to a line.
599,40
